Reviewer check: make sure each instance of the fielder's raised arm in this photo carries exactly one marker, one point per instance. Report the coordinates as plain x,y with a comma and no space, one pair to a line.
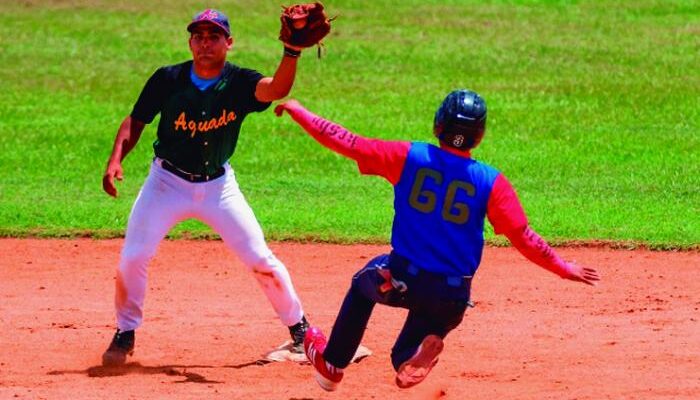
302,26
202,104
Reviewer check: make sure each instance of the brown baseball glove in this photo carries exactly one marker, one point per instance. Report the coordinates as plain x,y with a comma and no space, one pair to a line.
304,25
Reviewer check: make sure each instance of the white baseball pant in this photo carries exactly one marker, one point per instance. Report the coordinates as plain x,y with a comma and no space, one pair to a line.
165,200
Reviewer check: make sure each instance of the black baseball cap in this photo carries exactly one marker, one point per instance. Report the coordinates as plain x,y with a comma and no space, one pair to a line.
212,16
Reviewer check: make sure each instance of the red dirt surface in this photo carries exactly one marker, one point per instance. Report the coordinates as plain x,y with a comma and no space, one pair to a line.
531,335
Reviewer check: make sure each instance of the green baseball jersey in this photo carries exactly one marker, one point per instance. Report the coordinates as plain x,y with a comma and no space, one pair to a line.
198,130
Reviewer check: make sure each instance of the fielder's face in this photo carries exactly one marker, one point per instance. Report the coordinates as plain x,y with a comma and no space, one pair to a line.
209,45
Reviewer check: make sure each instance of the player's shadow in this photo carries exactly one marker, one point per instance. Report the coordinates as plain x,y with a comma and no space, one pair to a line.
170,370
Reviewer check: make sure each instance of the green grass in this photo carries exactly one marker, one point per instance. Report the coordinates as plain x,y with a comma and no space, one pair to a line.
593,111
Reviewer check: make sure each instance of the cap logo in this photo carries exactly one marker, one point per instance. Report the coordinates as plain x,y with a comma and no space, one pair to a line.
208,15
458,140
213,16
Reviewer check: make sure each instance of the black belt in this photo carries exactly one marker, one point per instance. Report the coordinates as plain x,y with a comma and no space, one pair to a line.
403,264
168,166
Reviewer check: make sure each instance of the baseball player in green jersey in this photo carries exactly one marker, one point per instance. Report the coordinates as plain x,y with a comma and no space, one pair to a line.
202,103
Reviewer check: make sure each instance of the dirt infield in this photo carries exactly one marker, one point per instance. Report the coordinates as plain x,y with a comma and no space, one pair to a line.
531,335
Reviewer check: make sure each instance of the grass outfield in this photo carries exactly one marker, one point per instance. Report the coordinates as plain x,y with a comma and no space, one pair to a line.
593,111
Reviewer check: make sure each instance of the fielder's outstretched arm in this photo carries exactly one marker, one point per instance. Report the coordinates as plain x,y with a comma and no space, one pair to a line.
128,135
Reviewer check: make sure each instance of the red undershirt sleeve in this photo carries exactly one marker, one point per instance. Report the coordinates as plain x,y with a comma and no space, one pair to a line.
373,156
504,209
536,249
508,218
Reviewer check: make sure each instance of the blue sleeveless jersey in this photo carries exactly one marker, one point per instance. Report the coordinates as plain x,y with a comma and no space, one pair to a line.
440,206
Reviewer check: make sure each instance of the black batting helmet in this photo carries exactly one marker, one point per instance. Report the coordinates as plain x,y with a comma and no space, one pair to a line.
461,119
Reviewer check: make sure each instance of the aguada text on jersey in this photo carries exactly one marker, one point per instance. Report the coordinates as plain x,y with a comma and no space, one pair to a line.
198,129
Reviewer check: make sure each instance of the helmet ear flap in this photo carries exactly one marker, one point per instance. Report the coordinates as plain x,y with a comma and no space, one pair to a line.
438,129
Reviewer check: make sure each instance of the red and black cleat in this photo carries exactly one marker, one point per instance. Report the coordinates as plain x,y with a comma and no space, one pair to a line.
327,376
417,368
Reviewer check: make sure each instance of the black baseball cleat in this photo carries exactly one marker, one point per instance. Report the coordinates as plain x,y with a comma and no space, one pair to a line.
122,345
298,332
